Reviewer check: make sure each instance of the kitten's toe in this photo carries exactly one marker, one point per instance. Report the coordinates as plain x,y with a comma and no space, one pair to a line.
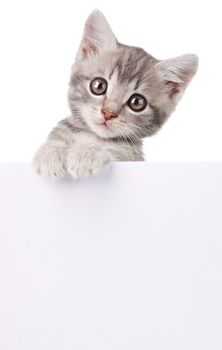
53,170
50,162
91,167
72,165
86,161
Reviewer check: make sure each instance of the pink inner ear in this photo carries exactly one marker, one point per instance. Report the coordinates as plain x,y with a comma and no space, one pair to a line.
88,47
173,87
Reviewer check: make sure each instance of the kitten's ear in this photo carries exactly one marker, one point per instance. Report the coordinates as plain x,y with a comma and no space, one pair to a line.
97,36
176,73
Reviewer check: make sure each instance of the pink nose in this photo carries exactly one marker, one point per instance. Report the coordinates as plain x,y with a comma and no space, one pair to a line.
108,114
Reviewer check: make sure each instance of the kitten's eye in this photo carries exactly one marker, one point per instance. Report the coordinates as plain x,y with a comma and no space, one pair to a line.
98,86
137,103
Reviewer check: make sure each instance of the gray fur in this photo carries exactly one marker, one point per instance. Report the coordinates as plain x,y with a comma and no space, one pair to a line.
80,145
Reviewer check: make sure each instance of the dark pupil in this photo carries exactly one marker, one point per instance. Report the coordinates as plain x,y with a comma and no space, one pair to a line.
99,85
136,101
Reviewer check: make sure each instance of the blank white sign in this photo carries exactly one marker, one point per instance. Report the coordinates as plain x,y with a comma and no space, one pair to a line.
130,259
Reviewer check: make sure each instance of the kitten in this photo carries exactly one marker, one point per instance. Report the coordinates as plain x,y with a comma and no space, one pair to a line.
118,95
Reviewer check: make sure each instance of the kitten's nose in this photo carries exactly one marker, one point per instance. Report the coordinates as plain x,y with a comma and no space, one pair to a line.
109,114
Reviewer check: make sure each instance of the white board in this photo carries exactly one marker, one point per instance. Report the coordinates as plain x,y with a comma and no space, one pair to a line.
129,259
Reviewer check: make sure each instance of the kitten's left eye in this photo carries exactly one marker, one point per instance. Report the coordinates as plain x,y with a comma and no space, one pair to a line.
98,86
137,103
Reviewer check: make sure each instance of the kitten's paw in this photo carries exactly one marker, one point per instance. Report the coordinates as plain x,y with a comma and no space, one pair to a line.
50,160
86,160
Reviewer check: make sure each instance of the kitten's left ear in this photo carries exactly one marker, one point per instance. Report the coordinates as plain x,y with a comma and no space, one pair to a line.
176,73
97,36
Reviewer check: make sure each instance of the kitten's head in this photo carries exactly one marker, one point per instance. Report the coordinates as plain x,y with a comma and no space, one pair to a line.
122,91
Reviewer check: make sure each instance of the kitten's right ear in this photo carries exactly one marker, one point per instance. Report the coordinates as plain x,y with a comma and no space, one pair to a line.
97,36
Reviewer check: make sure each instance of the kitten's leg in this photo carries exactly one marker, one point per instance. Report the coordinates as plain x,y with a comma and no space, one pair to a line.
50,159
86,159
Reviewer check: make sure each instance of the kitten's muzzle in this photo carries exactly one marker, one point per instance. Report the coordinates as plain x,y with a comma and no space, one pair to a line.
108,114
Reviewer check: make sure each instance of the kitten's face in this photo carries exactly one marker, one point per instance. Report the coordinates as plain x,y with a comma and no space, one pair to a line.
121,91
113,94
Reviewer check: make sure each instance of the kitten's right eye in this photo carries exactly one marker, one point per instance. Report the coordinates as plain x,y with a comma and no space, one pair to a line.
98,86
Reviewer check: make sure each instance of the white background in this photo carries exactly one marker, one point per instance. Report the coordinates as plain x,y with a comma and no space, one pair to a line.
37,47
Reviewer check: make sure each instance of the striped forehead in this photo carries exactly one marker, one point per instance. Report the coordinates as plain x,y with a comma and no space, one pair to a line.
117,90
131,65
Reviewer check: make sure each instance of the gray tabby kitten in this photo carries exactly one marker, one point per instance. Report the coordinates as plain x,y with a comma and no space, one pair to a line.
118,95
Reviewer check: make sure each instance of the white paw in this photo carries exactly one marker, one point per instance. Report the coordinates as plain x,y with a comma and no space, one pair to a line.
50,160
86,160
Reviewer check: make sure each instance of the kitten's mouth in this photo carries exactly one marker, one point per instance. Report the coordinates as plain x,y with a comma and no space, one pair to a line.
103,124
103,128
